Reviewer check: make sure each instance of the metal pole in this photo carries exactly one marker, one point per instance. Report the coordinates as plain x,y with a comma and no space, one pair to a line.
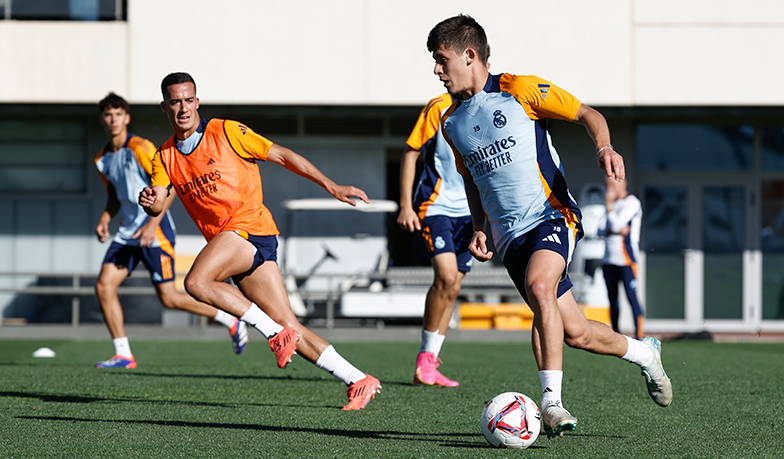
330,305
75,302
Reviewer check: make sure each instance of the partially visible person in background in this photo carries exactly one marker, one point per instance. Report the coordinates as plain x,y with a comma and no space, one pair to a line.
125,165
439,211
621,229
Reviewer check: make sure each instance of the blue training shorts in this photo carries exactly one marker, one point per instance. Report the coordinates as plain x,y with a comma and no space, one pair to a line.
265,248
449,234
551,235
155,259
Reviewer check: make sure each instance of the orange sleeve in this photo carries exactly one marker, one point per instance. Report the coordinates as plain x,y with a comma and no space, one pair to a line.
541,98
103,177
143,150
245,142
159,175
428,122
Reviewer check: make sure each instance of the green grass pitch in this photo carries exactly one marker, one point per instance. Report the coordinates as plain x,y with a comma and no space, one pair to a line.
197,399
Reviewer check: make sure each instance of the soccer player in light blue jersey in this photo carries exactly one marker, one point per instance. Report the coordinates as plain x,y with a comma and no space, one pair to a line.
438,210
514,179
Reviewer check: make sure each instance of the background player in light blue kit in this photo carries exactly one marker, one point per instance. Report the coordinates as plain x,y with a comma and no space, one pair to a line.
439,210
514,179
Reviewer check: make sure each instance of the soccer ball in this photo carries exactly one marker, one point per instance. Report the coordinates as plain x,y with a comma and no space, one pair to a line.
511,420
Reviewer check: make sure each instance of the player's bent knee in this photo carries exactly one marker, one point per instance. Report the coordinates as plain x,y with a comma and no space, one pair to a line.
195,287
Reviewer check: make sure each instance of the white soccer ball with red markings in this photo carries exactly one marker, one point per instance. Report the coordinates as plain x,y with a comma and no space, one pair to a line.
511,420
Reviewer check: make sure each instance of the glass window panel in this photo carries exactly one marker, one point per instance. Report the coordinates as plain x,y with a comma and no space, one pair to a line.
772,249
694,147
63,10
15,179
40,154
665,225
723,233
43,153
773,148
41,130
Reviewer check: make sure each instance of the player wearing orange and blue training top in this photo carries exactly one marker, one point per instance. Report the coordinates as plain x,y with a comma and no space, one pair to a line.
125,164
514,178
620,227
211,165
439,210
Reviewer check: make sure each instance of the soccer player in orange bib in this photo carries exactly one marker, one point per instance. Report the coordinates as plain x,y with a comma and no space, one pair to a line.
211,165
125,165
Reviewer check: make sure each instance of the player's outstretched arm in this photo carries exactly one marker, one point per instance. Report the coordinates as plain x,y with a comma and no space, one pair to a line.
153,199
304,168
606,156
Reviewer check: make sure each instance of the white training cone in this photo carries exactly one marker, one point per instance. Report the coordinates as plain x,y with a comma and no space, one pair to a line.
44,352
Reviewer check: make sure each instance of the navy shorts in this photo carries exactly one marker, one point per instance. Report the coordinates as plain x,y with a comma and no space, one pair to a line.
551,235
449,234
155,259
265,248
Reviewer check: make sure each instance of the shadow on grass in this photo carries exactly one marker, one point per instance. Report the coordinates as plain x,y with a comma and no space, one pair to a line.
85,400
451,441
209,376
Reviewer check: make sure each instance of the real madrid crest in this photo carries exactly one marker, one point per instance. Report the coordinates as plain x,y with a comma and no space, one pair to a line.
499,120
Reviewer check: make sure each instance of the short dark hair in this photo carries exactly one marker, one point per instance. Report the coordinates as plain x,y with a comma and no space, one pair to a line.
112,100
459,33
176,78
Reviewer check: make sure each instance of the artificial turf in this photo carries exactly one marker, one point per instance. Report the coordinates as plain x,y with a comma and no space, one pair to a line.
197,399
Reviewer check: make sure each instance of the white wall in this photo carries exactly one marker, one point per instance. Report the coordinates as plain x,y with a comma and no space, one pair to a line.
370,52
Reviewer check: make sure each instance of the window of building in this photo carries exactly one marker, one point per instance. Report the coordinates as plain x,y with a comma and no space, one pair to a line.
63,10
42,155
684,147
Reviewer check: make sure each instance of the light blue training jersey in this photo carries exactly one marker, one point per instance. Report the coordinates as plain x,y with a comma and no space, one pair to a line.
128,171
501,139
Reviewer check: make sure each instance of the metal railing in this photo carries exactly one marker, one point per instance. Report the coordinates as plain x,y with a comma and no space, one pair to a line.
489,285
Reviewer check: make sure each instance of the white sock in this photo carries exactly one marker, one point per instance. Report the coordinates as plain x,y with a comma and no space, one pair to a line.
256,318
551,386
122,347
638,353
431,342
333,363
225,318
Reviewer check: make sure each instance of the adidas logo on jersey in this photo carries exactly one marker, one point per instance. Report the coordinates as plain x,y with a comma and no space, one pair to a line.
544,89
552,238
211,161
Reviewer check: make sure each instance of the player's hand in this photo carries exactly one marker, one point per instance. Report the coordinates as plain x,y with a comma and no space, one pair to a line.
345,193
478,247
408,220
146,234
612,163
147,197
102,231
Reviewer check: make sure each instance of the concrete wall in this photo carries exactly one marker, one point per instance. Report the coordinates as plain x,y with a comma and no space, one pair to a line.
311,52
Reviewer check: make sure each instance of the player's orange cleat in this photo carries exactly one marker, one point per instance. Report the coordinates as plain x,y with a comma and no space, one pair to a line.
361,392
284,345
427,373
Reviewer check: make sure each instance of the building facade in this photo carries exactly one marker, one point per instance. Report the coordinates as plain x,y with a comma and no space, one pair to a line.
690,88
